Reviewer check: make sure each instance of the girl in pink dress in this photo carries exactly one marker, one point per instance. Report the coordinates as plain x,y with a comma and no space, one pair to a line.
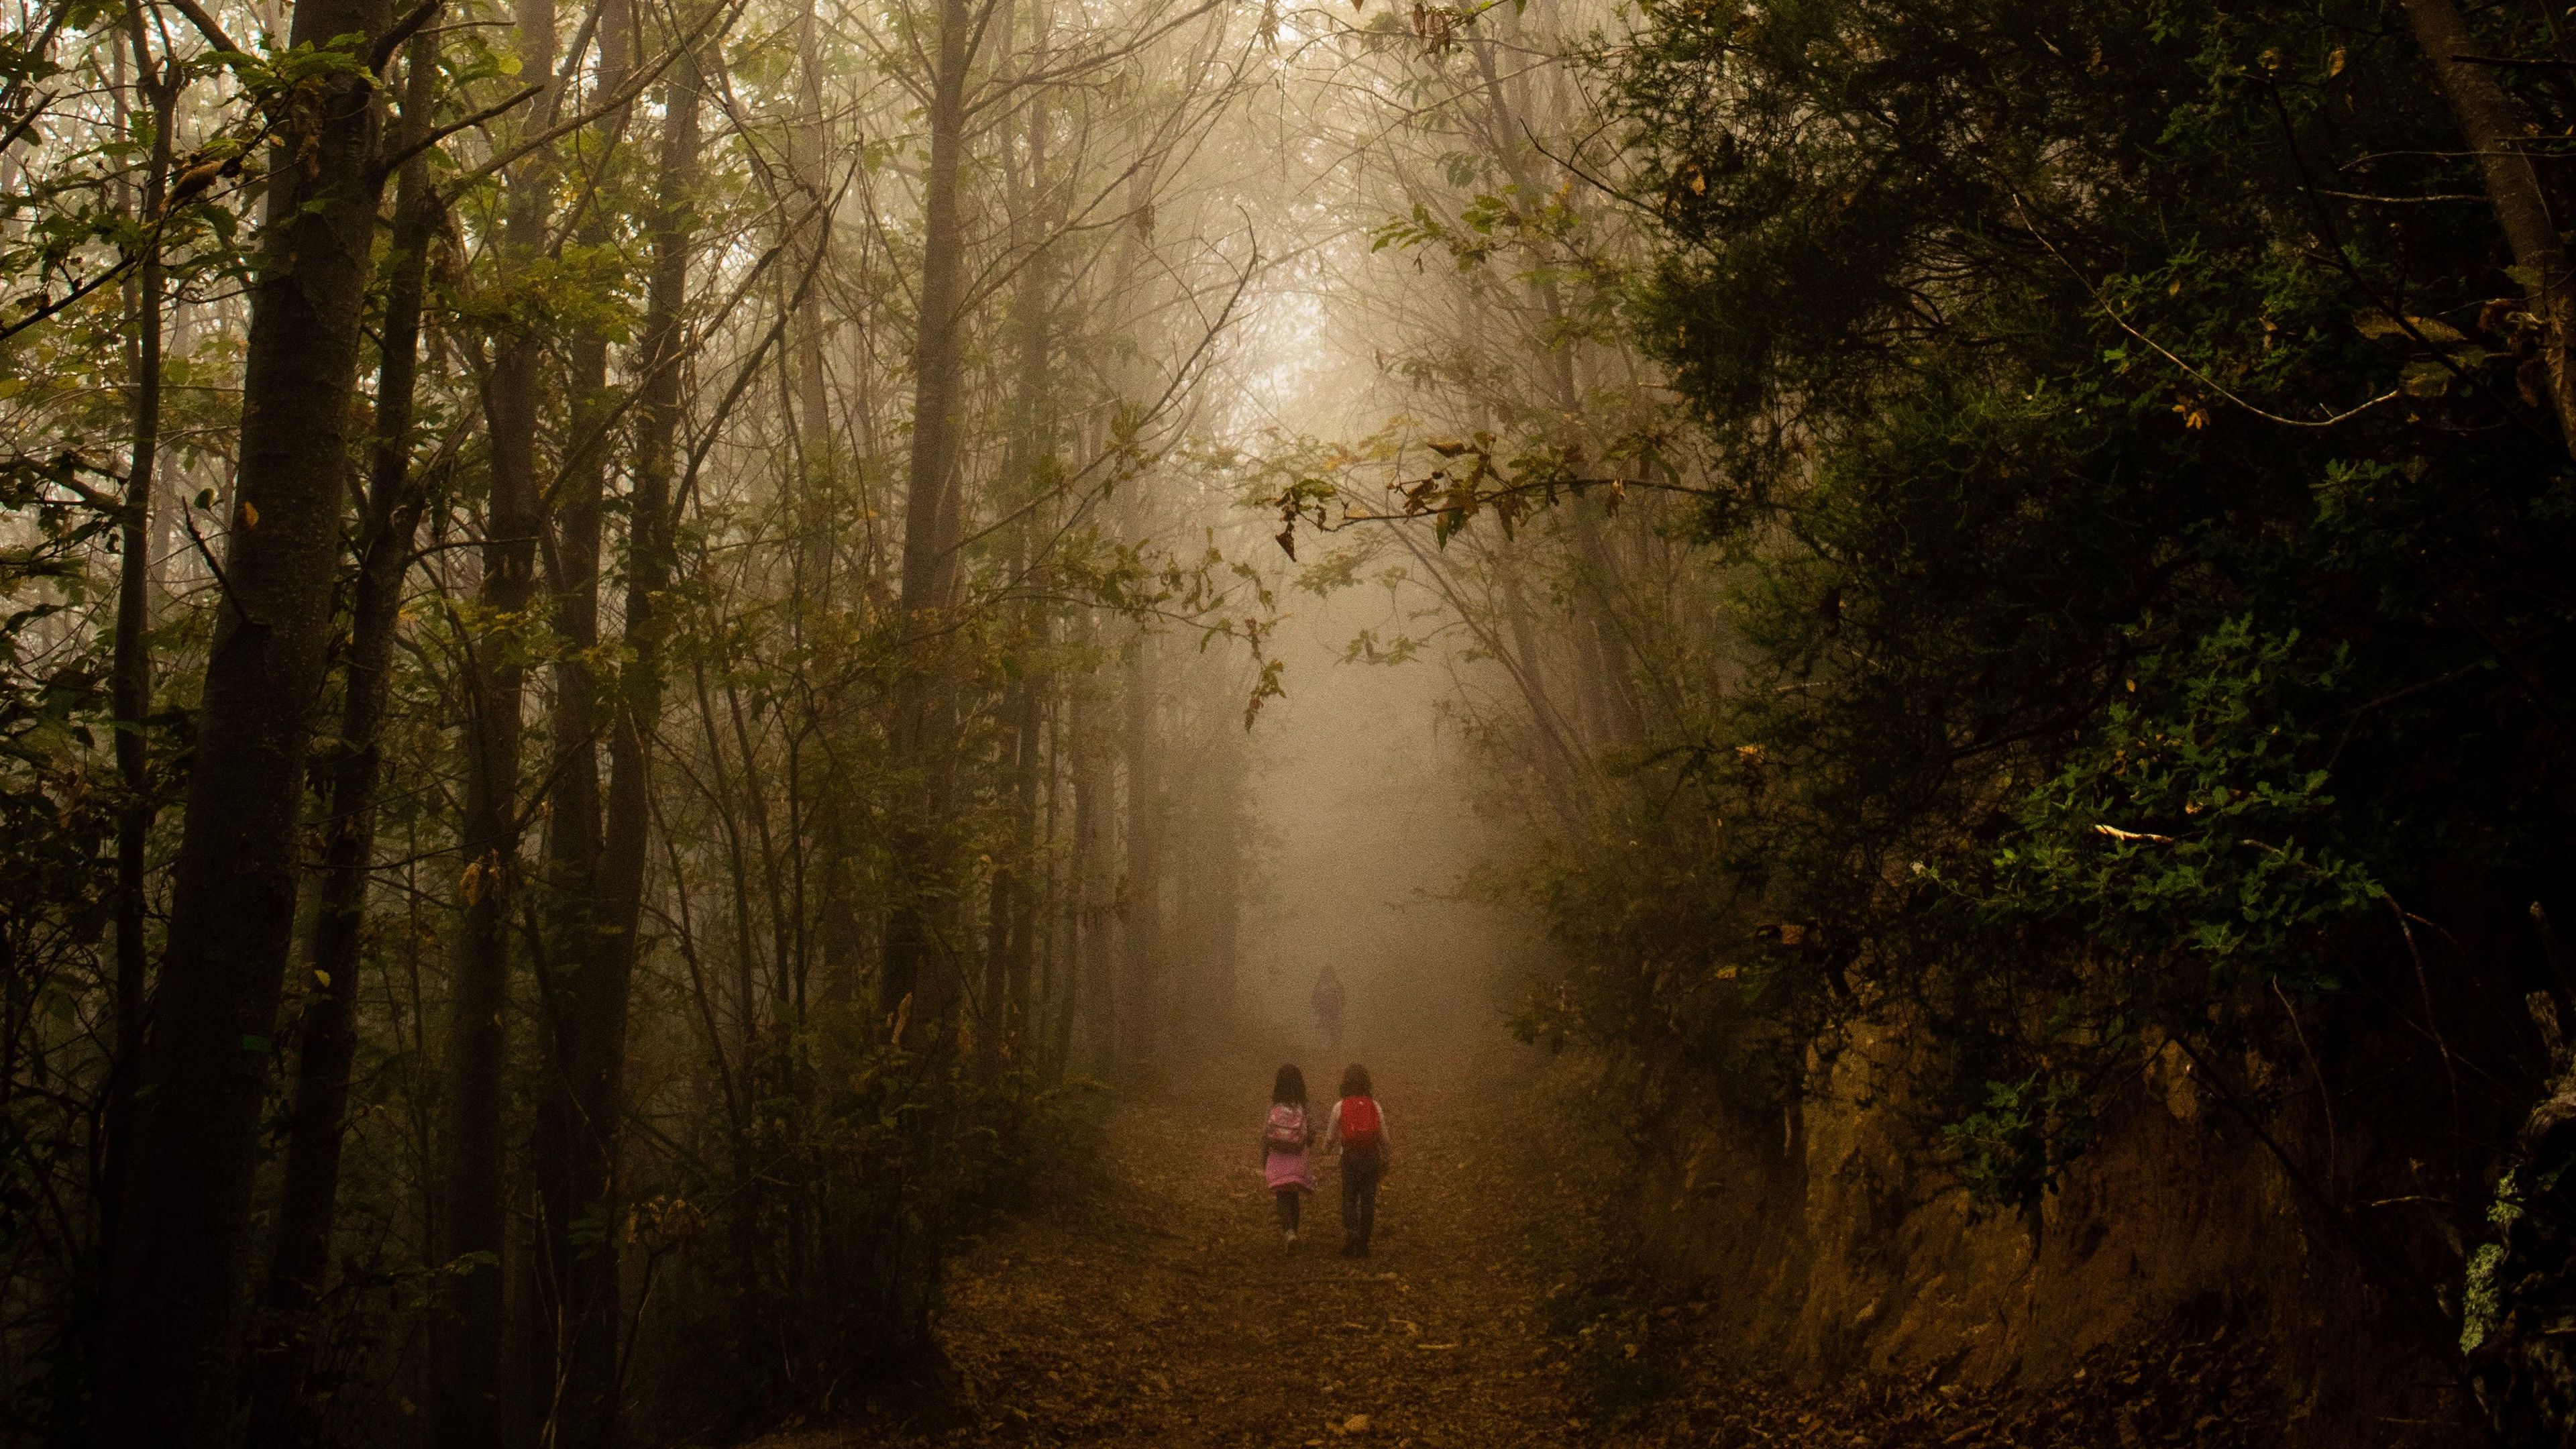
1287,1164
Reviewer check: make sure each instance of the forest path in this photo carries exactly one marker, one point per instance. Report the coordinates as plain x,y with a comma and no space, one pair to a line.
1162,1308
1153,1304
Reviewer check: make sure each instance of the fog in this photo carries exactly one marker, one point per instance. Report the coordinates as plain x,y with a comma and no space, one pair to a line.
1366,830
761,526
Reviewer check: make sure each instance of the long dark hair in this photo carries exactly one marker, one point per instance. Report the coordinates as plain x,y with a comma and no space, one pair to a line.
1355,1081
1289,1086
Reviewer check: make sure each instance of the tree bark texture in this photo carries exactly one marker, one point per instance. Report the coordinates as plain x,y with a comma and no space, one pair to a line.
595,1005
327,1036
929,553
2499,140
1141,955
130,668
1094,871
467,1324
175,1311
819,445
1011,942
572,1335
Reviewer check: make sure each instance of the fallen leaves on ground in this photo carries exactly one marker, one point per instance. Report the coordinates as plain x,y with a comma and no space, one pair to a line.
1158,1305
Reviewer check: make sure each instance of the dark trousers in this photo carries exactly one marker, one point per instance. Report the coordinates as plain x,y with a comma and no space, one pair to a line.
1288,1208
1360,1173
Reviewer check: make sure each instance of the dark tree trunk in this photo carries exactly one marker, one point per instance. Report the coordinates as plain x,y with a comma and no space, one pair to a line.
1094,871
594,1005
572,1333
468,1325
300,1260
1016,891
847,927
2497,137
820,446
1029,471
1141,962
929,553
131,667
175,1312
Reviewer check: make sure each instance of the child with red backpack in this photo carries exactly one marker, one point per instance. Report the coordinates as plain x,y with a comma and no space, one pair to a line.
1358,1131
1286,1165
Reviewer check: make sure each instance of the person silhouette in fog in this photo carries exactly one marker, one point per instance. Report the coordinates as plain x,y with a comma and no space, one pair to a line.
1328,1004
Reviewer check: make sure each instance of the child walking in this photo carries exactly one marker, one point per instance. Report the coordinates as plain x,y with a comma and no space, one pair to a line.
1286,1164
1358,1132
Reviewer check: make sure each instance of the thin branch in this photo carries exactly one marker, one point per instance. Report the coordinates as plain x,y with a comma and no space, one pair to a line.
206,26
222,580
122,266
636,84
394,163
2397,200
2204,379
403,29
2515,62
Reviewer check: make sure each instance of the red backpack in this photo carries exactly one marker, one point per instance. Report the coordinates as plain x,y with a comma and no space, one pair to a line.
1360,1127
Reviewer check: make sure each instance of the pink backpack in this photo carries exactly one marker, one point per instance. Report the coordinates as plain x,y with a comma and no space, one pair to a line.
1287,1129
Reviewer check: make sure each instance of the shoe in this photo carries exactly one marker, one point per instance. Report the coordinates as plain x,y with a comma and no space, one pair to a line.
1292,1237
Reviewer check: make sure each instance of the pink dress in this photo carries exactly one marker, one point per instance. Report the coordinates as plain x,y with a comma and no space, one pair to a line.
1287,1169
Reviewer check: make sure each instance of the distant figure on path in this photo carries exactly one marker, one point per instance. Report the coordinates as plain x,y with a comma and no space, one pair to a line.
1286,1165
1358,1133
1328,1005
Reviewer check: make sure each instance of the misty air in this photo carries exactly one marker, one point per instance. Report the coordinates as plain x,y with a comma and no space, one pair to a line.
1256,724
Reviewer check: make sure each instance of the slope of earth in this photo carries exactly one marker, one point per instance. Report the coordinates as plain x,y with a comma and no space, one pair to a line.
1157,1305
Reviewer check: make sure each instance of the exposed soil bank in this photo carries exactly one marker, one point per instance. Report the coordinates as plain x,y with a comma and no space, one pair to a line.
1843,1250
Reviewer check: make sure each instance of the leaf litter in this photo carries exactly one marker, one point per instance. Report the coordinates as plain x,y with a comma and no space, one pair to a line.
1153,1302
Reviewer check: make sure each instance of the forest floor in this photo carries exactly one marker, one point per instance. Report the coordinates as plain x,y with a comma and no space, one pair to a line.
1154,1303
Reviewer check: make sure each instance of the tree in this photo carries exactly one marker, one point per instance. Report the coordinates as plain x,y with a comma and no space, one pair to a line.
300,1258
175,1320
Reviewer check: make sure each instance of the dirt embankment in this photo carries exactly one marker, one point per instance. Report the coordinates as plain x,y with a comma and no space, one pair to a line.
2180,1280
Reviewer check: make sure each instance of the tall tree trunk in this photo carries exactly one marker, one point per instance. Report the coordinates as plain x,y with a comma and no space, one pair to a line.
1015,886
929,555
571,1335
468,1325
1056,929
819,445
1141,960
2501,143
1030,474
1613,675
130,670
592,1022
1131,979
847,925
1094,869
1209,857
175,1309
308,1203
171,487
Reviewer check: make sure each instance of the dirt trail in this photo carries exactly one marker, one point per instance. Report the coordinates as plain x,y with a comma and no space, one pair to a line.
1157,1306
1162,1308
